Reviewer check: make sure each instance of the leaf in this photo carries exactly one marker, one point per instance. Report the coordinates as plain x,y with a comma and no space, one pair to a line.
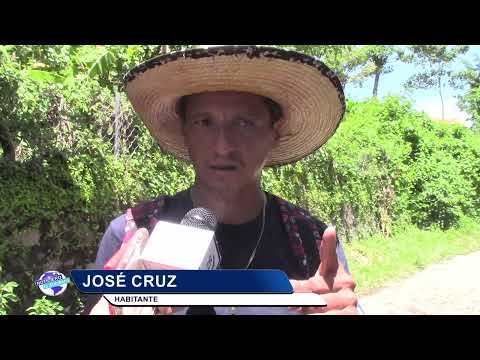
46,76
102,65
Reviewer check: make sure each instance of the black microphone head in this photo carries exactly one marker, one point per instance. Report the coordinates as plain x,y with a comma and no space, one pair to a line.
200,218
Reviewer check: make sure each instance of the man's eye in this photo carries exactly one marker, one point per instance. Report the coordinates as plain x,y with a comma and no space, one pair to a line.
245,123
202,122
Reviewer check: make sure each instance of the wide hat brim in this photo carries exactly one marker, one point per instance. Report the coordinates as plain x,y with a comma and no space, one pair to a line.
310,94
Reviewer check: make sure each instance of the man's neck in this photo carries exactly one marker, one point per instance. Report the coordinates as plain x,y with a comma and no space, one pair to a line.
230,207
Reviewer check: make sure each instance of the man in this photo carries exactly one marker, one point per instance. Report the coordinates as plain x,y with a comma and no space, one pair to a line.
231,111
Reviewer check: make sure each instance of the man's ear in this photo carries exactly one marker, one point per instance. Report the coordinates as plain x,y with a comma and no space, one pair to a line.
276,129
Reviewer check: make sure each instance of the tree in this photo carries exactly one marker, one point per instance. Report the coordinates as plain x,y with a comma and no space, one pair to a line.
435,60
337,57
354,63
9,81
469,78
373,61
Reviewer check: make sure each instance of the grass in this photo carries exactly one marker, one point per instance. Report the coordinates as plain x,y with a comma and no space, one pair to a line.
377,260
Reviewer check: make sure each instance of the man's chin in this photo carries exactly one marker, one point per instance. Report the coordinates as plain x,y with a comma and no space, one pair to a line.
223,184
225,187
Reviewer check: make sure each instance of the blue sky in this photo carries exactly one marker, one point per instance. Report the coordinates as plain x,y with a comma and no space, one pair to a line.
423,100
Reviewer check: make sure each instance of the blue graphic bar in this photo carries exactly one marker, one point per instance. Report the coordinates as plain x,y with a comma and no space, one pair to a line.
182,281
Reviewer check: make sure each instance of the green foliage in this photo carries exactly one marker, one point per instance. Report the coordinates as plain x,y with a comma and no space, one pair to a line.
7,295
61,182
44,306
469,78
338,57
471,103
428,55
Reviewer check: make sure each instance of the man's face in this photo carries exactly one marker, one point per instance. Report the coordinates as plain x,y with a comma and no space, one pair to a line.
229,136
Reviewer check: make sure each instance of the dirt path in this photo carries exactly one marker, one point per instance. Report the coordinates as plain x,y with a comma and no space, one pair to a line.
451,287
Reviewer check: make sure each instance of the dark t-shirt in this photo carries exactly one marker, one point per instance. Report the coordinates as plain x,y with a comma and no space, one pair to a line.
237,243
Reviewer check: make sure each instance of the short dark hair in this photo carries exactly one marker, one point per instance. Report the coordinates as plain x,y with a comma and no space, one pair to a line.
275,109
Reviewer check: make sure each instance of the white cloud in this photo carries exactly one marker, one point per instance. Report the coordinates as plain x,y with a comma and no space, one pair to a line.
433,107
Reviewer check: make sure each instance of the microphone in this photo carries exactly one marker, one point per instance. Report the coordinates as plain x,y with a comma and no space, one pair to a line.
203,219
189,245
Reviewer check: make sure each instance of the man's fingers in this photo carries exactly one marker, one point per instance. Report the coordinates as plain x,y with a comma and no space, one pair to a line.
328,253
164,310
323,285
134,244
331,281
112,264
335,301
350,310
140,238
302,286
101,307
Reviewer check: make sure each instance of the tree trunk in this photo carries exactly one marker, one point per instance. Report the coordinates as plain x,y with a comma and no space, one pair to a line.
375,85
7,144
441,96
379,63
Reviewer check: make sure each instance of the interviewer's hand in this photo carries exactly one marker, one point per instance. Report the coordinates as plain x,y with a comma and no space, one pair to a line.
331,281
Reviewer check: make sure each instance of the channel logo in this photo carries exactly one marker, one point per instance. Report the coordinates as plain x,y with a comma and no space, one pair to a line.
52,283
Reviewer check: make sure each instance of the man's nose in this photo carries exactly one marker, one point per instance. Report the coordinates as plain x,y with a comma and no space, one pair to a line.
225,141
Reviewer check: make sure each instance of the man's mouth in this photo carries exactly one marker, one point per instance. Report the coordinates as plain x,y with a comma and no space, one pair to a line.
223,167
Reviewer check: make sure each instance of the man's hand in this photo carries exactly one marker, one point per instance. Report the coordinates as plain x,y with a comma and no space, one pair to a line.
331,281
128,258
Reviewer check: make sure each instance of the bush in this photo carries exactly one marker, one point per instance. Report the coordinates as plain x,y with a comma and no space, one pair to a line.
44,306
7,294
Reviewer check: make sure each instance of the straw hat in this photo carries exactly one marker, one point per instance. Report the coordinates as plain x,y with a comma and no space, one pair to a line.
309,93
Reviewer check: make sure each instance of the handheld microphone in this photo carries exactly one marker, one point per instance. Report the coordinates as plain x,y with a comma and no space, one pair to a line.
190,245
203,219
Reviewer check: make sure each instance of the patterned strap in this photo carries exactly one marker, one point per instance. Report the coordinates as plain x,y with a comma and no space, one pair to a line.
145,214
291,216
